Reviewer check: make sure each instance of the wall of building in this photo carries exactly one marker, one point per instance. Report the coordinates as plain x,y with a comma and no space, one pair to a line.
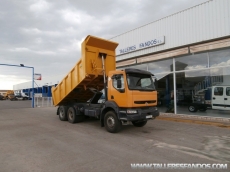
204,22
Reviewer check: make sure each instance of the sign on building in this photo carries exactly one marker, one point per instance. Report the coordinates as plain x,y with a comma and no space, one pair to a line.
142,45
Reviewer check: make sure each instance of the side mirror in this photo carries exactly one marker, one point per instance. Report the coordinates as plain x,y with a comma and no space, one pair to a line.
118,83
154,79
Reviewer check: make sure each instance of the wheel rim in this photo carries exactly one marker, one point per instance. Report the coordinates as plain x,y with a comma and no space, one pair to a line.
191,108
61,113
70,115
110,122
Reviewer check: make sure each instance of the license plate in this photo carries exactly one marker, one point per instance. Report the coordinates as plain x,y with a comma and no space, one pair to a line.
149,116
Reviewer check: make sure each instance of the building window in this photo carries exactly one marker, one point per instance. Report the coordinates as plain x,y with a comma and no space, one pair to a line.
160,66
198,79
219,58
141,66
190,62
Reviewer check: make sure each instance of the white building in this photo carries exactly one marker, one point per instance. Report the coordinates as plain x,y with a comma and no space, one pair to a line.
188,51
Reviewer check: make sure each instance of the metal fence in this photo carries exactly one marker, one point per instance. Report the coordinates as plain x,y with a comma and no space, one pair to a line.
43,101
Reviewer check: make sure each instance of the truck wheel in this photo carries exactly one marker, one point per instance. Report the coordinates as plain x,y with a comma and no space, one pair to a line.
139,124
71,114
192,108
62,112
112,124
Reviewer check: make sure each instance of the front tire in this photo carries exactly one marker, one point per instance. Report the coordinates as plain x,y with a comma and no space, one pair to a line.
112,124
139,124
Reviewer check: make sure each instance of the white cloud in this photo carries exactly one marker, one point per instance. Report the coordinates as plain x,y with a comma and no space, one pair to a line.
20,49
75,17
74,45
36,31
32,51
7,81
77,43
45,52
38,41
71,30
195,67
221,64
39,6
82,21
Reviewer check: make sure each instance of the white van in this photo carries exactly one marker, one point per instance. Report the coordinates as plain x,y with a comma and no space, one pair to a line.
221,97
215,97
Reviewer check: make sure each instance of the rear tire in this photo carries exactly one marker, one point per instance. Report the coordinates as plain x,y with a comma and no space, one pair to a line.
71,114
62,112
139,124
73,117
112,124
192,108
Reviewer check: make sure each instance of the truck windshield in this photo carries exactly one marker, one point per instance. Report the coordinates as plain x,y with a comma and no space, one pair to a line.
140,82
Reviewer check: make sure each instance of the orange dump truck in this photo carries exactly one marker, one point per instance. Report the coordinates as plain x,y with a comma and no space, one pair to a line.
130,94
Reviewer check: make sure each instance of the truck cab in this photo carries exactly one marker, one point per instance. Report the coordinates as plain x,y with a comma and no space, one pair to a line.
132,96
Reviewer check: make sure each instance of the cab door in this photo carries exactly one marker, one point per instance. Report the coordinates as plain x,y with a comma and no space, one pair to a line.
117,90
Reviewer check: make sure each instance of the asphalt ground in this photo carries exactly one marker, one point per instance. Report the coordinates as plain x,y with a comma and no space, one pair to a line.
15,104
36,140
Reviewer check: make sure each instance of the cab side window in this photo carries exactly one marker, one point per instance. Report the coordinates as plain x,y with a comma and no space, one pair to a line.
115,81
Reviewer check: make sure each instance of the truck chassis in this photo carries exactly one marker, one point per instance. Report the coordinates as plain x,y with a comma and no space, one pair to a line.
110,115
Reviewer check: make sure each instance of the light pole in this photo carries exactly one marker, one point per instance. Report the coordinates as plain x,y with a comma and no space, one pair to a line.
22,65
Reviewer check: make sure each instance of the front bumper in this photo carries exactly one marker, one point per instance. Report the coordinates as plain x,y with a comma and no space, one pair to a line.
141,115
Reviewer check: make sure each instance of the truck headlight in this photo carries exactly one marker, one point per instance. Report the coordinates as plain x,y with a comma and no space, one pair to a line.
131,111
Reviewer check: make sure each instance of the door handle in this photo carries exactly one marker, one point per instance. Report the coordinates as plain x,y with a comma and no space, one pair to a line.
213,98
225,99
112,97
